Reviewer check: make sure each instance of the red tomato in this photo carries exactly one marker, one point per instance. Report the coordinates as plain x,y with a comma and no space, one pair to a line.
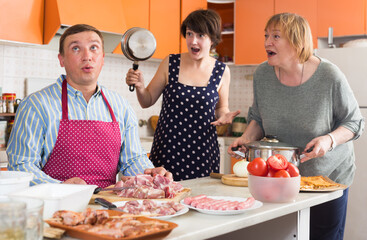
278,162
282,174
271,172
258,167
293,170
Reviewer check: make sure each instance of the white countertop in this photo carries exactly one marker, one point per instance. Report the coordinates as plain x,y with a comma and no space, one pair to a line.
195,225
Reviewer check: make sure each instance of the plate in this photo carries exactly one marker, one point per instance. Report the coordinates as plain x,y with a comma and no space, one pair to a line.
335,187
257,204
83,234
181,212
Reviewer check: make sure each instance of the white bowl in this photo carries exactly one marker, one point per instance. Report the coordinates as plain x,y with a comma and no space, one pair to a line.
273,189
11,181
57,196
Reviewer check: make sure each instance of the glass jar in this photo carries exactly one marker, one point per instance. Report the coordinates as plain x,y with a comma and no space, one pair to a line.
8,130
238,126
12,219
10,100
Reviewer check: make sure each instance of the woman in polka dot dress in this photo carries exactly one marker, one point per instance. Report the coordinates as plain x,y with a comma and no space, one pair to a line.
195,91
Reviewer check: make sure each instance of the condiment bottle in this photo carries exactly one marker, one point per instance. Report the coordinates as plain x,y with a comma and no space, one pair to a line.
10,100
238,126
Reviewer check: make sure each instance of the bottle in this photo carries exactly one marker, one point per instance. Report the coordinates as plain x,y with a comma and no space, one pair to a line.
238,126
10,100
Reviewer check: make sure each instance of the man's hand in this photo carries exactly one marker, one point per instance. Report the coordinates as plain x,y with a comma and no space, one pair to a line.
75,180
158,170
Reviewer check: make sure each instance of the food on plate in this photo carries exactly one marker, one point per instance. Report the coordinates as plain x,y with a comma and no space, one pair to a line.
204,202
148,187
150,207
99,222
276,166
240,168
258,167
277,162
317,182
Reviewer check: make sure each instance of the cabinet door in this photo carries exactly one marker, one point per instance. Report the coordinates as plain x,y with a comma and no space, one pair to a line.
165,25
22,21
307,9
250,19
188,6
136,15
346,17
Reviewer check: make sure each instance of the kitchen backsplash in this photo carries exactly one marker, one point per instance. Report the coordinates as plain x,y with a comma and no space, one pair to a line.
18,62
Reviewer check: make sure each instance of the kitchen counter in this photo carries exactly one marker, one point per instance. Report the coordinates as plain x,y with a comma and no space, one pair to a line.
280,221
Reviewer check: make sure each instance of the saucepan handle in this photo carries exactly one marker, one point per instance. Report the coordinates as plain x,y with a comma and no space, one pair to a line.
135,67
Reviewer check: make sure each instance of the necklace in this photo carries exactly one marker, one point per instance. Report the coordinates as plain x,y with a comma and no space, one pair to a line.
300,82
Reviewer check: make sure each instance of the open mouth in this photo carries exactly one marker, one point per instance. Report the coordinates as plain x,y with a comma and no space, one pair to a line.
270,53
195,50
87,68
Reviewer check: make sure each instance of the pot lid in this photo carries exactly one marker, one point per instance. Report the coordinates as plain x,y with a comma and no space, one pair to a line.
269,142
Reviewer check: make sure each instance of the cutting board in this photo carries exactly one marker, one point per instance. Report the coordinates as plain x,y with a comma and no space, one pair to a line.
233,180
112,197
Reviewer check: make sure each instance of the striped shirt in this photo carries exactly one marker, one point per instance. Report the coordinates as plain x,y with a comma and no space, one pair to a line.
37,122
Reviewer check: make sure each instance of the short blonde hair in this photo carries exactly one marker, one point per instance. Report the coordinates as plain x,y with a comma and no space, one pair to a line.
297,31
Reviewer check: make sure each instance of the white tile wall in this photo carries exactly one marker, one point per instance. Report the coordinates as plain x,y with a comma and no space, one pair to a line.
20,62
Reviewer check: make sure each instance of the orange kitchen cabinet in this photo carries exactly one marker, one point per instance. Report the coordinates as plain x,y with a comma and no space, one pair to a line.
250,19
307,9
22,21
164,23
136,14
188,6
225,49
161,17
345,17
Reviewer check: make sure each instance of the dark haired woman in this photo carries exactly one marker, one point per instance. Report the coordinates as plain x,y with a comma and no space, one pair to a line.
195,91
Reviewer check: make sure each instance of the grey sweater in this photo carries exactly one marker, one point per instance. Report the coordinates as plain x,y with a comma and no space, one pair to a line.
298,114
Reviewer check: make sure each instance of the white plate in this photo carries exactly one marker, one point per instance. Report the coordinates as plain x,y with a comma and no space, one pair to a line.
257,204
181,212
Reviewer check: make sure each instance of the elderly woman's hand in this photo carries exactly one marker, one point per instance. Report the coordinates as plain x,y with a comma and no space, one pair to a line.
319,146
158,170
239,144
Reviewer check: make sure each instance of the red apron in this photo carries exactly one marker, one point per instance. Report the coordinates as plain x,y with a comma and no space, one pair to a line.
88,149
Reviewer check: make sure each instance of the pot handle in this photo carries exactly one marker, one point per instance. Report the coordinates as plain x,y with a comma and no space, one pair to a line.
135,67
239,153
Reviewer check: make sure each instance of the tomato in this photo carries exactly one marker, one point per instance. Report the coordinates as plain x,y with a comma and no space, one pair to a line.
282,174
293,170
258,167
278,162
271,172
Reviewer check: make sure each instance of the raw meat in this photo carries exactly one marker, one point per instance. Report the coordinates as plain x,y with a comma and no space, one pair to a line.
204,202
148,187
149,207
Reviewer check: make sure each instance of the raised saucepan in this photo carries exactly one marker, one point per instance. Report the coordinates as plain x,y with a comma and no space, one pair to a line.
269,146
138,44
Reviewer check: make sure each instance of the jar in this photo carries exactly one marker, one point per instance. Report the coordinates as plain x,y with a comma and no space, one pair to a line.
12,219
10,100
238,126
3,104
8,130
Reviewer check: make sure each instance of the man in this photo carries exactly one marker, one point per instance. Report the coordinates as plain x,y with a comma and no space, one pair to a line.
77,131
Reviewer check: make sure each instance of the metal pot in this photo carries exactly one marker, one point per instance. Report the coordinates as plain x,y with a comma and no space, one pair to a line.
138,44
269,146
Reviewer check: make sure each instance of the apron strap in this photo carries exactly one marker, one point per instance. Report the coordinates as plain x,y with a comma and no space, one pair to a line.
64,100
64,103
109,107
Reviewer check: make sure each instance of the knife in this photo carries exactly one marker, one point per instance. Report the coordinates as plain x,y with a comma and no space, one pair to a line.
99,189
109,205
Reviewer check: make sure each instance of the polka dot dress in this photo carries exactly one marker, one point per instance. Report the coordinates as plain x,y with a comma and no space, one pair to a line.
185,142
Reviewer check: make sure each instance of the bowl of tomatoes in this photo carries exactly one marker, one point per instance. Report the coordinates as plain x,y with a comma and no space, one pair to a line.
274,180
